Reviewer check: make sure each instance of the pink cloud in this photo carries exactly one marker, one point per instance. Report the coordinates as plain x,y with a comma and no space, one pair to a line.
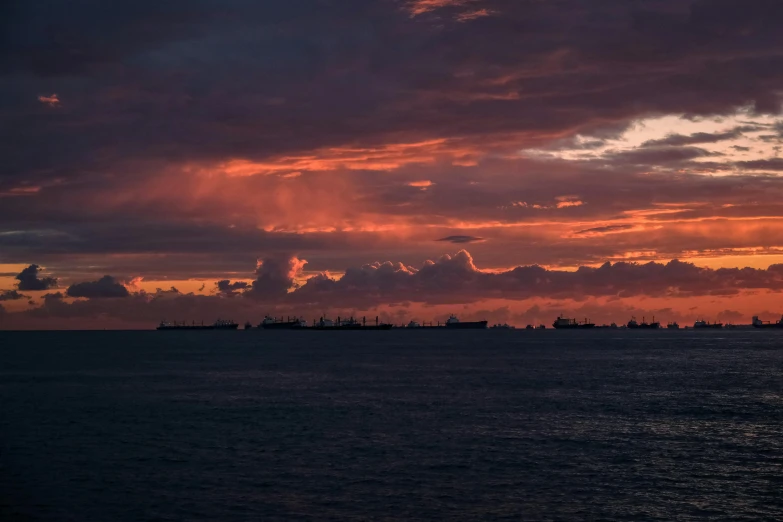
52,100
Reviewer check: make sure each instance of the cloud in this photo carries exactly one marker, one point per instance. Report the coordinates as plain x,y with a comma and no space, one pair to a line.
105,287
449,280
678,140
28,280
197,124
12,295
732,316
457,279
418,7
472,15
229,289
605,230
51,101
775,164
275,276
461,239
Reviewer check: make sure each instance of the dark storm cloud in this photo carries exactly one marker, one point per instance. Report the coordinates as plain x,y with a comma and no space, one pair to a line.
104,287
29,280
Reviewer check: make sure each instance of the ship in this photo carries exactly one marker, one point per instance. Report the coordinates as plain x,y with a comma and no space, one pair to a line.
562,323
272,323
705,324
217,325
757,323
348,324
673,326
643,325
248,326
452,323
612,326
505,326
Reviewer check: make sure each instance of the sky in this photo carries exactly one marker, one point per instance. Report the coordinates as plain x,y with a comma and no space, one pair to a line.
508,160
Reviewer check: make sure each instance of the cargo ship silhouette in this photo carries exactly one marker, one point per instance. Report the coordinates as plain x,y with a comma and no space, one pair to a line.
757,323
217,325
562,323
643,325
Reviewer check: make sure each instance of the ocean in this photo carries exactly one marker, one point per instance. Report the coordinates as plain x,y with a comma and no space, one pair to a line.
397,425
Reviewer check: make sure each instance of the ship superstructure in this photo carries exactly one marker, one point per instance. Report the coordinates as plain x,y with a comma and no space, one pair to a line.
643,325
563,323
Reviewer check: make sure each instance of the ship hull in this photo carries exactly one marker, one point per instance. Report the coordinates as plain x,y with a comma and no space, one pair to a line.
189,327
199,327
474,325
573,326
768,325
350,327
653,326
709,327
281,326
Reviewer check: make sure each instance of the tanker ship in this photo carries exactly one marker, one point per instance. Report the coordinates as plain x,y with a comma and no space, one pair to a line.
562,323
272,323
348,324
705,324
453,323
757,323
217,325
644,324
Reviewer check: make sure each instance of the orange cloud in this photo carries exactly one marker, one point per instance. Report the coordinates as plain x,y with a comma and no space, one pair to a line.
30,190
52,100
418,7
379,158
423,184
472,15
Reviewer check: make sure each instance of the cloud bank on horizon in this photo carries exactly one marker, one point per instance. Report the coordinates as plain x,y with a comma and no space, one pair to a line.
280,286
180,141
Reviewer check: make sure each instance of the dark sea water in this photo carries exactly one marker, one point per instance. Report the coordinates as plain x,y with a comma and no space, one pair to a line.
401,425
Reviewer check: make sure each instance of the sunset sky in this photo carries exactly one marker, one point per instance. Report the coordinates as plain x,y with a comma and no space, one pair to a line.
506,160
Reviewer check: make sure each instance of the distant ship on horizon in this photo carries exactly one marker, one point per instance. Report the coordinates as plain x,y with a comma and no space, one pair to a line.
705,324
757,323
643,325
563,323
272,323
453,323
348,324
217,325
